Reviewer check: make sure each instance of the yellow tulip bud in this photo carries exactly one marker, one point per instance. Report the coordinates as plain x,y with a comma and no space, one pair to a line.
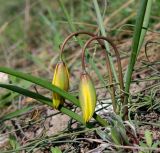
87,97
61,80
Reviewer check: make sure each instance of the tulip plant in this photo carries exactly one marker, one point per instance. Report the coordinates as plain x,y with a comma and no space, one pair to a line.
60,85
87,91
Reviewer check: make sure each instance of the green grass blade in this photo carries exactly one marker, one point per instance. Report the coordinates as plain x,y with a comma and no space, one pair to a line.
38,97
27,93
135,44
100,22
14,143
55,150
103,32
69,19
15,114
7,98
145,23
100,77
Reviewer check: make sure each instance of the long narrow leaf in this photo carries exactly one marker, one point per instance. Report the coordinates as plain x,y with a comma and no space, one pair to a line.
103,32
135,44
41,82
15,114
69,19
40,98
145,23
49,86
27,93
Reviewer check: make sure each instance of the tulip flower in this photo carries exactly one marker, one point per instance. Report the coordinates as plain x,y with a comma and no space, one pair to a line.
61,80
87,96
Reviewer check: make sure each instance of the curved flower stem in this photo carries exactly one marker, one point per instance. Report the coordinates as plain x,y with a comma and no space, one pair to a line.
109,69
95,116
107,58
72,35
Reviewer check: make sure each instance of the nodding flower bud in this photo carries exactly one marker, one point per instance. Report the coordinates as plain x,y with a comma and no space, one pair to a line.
87,96
61,80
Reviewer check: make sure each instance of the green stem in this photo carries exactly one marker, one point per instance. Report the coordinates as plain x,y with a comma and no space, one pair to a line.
145,23
103,32
135,45
75,34
108,68
72,35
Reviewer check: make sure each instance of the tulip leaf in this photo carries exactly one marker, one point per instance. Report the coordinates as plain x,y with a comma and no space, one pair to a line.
46,84
41,82
138,37
38,97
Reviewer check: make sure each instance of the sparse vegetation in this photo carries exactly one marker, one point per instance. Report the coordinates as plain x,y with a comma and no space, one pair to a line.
79,76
